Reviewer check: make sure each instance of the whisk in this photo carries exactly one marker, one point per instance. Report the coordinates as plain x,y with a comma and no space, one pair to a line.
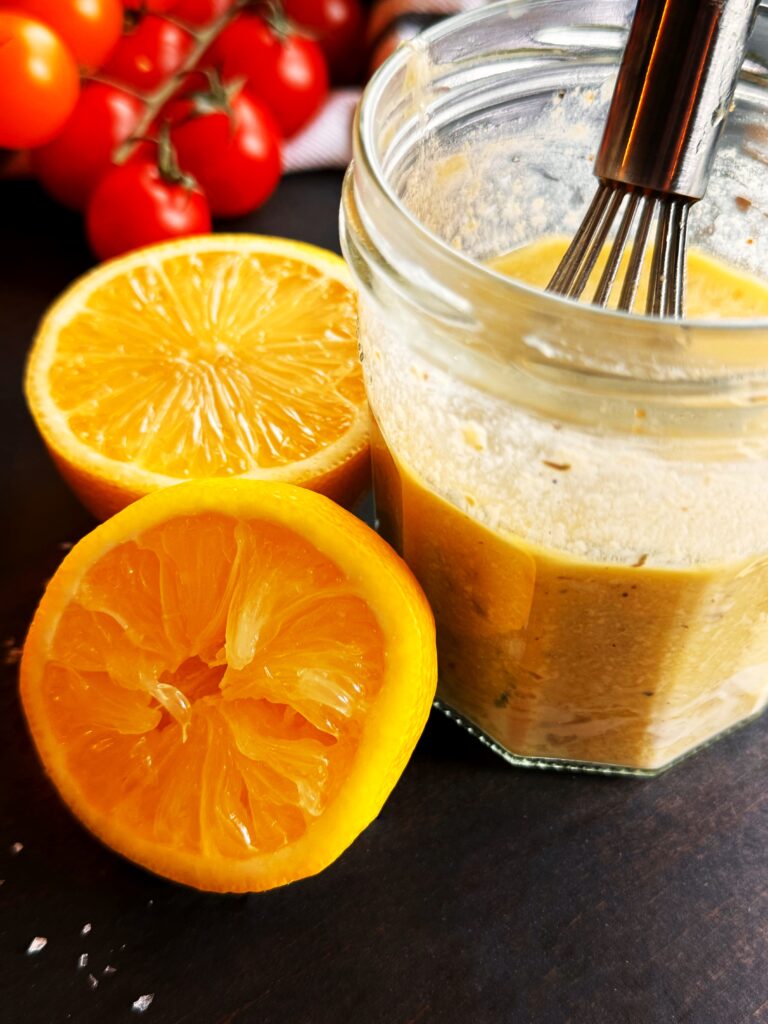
672,95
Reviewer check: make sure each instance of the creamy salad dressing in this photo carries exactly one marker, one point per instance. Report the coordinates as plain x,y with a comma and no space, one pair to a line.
573,623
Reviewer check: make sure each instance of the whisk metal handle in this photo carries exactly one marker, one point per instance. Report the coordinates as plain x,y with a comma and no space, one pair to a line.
673,92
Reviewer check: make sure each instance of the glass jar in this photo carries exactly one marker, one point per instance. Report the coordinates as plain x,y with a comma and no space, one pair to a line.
581,493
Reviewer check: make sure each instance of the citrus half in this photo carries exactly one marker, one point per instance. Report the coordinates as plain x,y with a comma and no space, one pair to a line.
212,356
226,679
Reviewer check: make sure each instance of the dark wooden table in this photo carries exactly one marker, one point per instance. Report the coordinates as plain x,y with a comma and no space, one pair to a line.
482,894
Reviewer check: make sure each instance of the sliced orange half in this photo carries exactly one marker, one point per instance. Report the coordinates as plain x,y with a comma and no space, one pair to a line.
226,679
216,356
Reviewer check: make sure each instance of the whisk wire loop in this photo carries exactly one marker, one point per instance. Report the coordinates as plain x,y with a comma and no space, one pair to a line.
666,285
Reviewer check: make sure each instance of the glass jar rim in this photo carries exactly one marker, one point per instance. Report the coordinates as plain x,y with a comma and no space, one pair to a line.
367,157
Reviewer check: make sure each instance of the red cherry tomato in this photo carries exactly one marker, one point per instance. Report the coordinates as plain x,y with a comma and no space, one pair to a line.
134,205
90,28
339,28
235,157
199,12
71,164
288,72
39,83
149,54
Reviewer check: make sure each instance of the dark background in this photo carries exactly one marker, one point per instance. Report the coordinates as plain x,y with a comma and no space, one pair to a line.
482,893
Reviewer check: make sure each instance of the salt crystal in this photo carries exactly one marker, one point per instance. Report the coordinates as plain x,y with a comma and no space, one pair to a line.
39,942
143,1002
65,545
85,929
93,982
82,960
17,848
109,969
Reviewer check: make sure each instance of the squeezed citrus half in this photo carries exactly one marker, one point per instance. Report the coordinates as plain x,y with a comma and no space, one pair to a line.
226,679
214,356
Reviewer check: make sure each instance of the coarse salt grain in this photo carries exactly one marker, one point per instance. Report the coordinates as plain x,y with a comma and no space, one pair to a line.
12,655
143,1002
85,929
93,982
82,960
109,969
17,848
39,942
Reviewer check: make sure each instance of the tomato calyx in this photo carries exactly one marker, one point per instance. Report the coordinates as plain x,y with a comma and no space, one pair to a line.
134,13
281,26
133,17
217,98
167,161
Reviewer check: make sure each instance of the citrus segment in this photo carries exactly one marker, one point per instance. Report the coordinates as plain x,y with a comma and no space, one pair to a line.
216,356
226,679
